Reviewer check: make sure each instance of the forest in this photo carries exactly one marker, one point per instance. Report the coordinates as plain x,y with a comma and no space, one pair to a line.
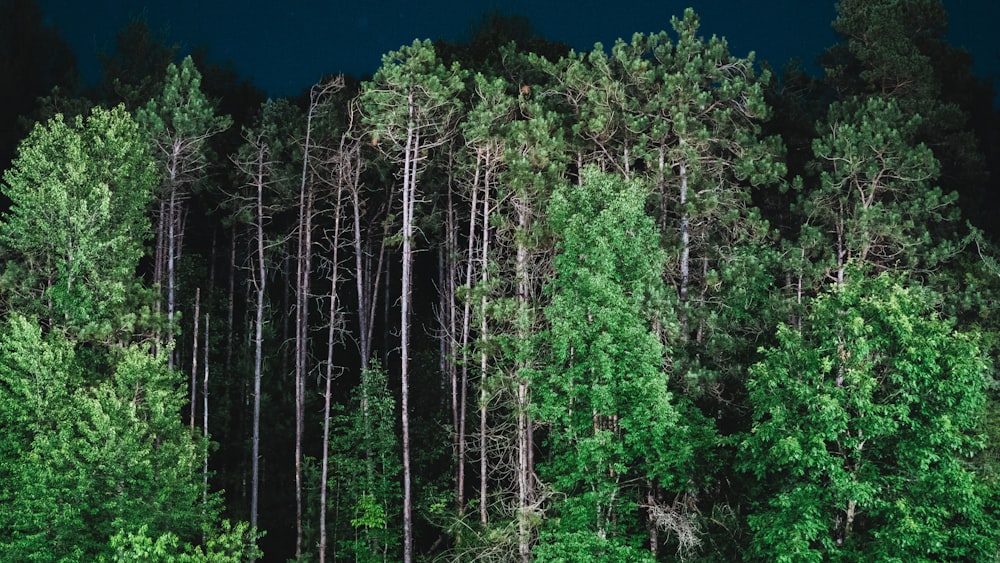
502,301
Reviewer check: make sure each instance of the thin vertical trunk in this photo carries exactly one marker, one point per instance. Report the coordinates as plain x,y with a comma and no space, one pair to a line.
303,275
841,247
460,434
484,273
204,420
301,348
327,392
524,438
194,358
231,302
367,277
409,193
260,283
158,265
171,259
685,250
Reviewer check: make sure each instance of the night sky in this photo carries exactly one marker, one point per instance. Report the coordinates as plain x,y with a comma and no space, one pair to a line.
287,46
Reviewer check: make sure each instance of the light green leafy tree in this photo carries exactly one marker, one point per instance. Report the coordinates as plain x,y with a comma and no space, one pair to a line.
92,453
612,426
228,544
865,422
74,234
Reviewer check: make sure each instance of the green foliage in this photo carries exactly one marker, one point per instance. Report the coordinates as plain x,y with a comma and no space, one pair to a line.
411,93
75,232
365,468
865,423
228,544
612,422
876,195
99,453
182,113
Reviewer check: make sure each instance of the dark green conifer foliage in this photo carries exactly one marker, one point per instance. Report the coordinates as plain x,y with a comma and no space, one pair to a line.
876,202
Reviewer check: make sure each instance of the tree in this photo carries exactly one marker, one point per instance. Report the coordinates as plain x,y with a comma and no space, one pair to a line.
105,452
898,49
876,195
260,174
74,235
304,254
179,122
612,424
410,106
865,422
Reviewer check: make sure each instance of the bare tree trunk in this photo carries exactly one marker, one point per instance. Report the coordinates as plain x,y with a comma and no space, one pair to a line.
194,358
685,249
524,438
304,272
484,276
159,260
260,281
204,421
344,165
231,302
171,259
409,193
460,435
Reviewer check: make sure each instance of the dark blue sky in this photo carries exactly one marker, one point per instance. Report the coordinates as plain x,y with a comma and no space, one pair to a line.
286,46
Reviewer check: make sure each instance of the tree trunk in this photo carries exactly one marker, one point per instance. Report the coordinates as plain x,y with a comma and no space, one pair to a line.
204,421
194,358
484,277
260,283
460,434
409,193
345,161
685,251
171,259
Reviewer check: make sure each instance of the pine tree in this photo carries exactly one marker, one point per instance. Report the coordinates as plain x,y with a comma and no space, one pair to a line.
410,106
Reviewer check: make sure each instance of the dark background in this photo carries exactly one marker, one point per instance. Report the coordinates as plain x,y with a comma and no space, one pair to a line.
287,46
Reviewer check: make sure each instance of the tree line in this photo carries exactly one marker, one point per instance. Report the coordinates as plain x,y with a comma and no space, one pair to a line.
503,301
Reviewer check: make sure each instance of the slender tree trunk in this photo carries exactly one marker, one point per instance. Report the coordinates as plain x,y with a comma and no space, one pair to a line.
260,283
524,437
342,180
231,302
158,265
194,358
204,421
484,277
327,393
409,193
367,277
301,348
460,434
685,250
171,259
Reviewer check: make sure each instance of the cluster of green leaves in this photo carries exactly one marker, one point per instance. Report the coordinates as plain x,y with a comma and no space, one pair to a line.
865,427
77,226
94,446
603,397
